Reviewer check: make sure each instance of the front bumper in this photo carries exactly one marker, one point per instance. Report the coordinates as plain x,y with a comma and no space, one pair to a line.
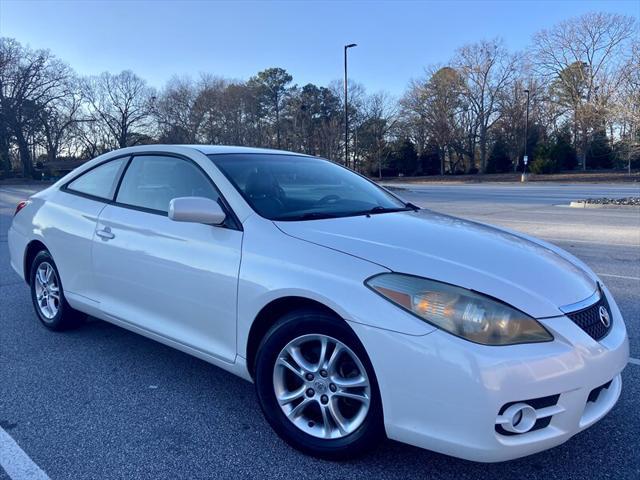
444,394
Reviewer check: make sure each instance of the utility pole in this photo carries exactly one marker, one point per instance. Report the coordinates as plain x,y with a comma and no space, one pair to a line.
526,137
346,106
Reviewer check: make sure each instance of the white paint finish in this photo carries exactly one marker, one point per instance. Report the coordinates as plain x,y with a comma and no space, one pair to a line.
501,264
199,288
460,387
16,462
65,224
196,209
172,278
275,265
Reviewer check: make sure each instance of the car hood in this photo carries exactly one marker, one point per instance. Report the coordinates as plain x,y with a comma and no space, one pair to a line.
529,275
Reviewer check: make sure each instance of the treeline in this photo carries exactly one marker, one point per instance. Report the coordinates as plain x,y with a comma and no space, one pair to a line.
580,80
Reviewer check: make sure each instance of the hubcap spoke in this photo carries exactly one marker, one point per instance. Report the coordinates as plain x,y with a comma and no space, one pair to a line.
353,396
296,370
324,343
337,418
355,382
298,409
297,357
41,276
331,363
326,422
288,397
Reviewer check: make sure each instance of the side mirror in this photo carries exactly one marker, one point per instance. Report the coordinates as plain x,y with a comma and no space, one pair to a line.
196,210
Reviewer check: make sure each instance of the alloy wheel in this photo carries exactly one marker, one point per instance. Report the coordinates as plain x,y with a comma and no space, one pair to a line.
47,290
322,386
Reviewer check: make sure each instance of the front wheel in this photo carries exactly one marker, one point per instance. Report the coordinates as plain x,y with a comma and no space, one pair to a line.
48,296
317,388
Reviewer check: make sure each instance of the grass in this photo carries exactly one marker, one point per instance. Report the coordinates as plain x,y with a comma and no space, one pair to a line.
563,177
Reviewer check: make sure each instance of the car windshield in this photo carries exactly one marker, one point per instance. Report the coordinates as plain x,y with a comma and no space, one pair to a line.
292,187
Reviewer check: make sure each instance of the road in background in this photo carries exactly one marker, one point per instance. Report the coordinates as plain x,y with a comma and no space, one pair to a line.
101,402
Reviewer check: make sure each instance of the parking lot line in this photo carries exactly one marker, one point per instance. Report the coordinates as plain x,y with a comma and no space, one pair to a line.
635,361
618,276
16,462
574,240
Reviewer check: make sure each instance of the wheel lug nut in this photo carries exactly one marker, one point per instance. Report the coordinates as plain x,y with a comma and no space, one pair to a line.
323,373
309,376
324,399
310,392
333,388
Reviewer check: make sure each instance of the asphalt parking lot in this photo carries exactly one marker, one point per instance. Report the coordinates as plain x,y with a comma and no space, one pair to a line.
101,402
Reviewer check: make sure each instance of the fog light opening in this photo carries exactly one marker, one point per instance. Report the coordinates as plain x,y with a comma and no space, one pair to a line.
520,418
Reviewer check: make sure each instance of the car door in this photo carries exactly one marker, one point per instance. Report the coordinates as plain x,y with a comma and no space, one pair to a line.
173,279
68,222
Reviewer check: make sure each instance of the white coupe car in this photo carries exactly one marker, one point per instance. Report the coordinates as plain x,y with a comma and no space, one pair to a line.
355,313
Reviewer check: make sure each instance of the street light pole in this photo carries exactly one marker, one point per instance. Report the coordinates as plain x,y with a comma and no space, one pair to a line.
526,138
346,107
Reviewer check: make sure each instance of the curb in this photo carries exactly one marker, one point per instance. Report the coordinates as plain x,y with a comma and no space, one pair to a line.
600,205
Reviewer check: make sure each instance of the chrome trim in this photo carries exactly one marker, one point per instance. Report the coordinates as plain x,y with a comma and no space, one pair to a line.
581,305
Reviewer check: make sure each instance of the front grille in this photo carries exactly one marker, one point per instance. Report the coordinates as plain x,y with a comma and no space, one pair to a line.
588,319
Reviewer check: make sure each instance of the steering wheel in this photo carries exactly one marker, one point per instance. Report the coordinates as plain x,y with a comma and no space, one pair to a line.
328,199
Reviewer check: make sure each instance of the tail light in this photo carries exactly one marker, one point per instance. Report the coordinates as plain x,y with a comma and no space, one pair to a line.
20,206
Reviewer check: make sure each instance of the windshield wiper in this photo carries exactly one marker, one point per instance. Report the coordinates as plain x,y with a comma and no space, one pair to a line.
379,209
309,216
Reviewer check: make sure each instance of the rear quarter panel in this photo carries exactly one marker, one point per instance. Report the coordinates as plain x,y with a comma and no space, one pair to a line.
65,224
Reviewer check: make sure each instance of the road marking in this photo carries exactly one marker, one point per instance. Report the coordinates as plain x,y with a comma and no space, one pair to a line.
635,361
16,462
617,276
572,240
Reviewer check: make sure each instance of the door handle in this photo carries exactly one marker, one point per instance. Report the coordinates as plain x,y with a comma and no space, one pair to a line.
105,233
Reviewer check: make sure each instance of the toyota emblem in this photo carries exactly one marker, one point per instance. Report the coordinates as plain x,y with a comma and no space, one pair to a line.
604,316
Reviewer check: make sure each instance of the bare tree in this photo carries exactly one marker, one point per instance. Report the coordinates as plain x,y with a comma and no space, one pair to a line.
121,103
59,118
30,82
487,69
438,102
577,56
373,133
176,112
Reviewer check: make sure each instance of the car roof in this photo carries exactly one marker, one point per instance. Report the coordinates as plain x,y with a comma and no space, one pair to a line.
204,149
221,149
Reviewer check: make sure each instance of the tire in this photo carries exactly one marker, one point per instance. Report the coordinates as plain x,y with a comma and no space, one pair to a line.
315,428
47,295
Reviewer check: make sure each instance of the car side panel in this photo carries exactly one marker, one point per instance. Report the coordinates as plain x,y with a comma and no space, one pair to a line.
175,279
275,265
65,224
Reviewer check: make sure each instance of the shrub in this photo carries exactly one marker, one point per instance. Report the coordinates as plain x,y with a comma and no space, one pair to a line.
543,165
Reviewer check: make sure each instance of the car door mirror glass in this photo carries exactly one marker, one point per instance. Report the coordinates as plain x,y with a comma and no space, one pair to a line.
196,210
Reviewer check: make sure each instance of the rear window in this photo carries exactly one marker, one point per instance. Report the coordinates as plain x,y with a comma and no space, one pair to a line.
100,181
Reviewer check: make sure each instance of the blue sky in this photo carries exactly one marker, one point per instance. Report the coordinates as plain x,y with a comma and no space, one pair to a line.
237,39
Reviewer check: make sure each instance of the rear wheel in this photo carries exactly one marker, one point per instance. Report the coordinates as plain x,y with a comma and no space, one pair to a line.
48,296
316,386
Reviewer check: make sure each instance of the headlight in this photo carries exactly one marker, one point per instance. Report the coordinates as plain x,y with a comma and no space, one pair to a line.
459,311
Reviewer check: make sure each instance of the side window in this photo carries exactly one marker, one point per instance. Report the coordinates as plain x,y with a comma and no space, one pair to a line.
152,181
100,181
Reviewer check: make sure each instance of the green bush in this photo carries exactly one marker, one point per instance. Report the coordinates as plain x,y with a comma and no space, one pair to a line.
543,166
